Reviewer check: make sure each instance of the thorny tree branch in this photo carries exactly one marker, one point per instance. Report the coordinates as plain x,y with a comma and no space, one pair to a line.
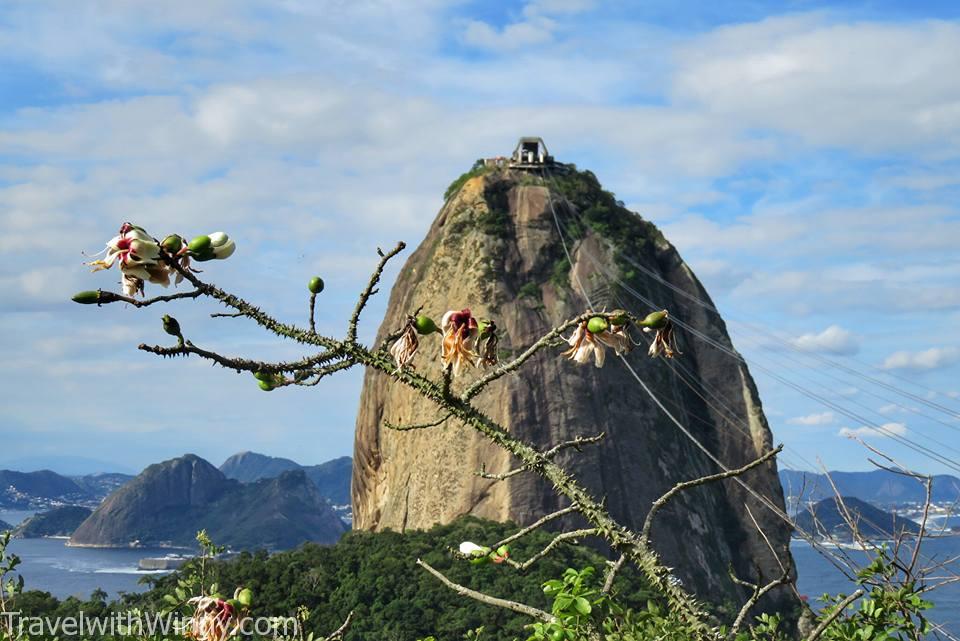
685,485
242,364
514,365
522,608
416,426
563,537
105,298
535,525
576,443
370,290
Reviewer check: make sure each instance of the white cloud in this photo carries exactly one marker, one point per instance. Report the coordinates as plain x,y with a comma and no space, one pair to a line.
832,340
823,418
885,430
933,358
874,86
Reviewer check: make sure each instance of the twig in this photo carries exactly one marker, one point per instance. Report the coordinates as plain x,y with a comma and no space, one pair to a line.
758,593
557,540
527,354
225,315
820,629
685,485
242,364
514,606
612,574
536,524
416,426
106,297
370,290
575,443
339,632
313,302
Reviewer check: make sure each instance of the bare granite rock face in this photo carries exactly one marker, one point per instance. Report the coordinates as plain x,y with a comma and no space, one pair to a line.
495,248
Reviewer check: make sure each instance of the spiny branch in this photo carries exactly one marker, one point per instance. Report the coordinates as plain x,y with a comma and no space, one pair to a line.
612,574
243,364
246,309
370,290
576,443
513,606
105,298
527,354
535,525
339,632
416,426
685,485
572,535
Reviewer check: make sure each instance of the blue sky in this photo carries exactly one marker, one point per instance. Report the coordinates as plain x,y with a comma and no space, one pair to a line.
804,158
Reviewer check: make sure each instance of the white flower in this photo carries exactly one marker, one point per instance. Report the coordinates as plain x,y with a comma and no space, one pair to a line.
133,249
223,246
469,548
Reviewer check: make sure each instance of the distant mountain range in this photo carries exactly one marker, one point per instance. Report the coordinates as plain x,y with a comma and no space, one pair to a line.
826,518
879,487
331,478
170,501
5,527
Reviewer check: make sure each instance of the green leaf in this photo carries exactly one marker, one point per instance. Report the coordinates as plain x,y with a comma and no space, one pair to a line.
582,606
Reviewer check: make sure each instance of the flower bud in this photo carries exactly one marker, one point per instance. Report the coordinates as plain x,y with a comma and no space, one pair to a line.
87,298
425,325
200,245
172,243
315,285
266,386
245,597
263,376
597,324
171,326
223,246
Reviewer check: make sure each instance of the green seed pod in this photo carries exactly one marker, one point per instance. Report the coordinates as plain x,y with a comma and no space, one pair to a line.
315,285
172,243
503,551
87,298
425,325
263,376
266,386
597,324
201,245
655,320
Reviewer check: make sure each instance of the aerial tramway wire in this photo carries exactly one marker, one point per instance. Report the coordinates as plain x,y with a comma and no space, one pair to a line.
833,559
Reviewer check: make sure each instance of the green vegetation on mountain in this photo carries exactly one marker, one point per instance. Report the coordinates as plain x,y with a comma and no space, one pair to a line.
60,521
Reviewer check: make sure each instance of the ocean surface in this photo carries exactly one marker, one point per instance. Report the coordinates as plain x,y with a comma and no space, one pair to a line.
47,564
816,576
